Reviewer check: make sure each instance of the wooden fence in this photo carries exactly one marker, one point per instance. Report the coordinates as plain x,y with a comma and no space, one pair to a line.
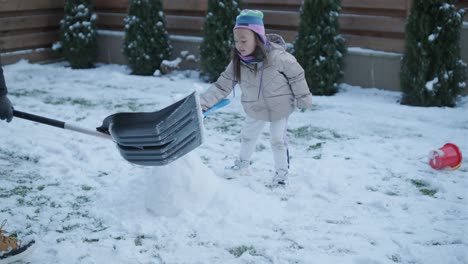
32,26
28,29
373,24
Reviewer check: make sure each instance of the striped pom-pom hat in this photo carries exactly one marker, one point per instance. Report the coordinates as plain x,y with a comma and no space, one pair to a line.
253,20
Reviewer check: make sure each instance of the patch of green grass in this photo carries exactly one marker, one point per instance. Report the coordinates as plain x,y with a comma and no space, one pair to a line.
53,204
82,199
26,93
260,147
102,173
131,104
428,192
230,122
225,127
6,210
419,183
139,240
68,100
205,159
18,190
78,119
233,116
91,240
68,228
13,155
422,185
310,132
86,187
302,132
315,146
395,258
238,251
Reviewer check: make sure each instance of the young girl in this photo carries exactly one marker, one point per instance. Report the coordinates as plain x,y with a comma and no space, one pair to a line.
272,84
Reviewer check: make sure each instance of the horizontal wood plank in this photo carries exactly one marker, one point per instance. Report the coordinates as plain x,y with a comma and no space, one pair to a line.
368,42
185,22
365,4
274,2
28,41
376,4
291,20
110,20
23,5
111,4
34,55
168,5
372,23
375,43
288,35
185,5
31,22
281,18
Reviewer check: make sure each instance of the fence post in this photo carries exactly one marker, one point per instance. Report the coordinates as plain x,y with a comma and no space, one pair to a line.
409,4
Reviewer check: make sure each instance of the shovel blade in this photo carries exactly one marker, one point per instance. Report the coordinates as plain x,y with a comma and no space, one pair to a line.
157,138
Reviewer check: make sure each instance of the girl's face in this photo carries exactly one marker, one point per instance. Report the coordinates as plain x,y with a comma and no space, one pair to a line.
245,41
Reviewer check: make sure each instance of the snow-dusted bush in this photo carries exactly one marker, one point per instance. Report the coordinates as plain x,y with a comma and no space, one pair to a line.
146,42
432,72
78,34
318,47
218,40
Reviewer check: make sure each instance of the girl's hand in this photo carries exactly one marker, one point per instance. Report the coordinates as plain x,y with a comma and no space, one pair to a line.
304,102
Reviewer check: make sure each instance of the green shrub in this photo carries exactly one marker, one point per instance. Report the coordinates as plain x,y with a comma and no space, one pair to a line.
432,72
318,47
218,40
146,42
78,34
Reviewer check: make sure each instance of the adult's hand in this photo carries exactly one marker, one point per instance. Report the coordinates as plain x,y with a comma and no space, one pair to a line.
6,110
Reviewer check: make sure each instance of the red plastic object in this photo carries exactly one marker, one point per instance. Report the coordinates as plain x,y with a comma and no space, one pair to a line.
448,156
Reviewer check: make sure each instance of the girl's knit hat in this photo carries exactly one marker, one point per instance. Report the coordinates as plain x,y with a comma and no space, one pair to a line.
253,20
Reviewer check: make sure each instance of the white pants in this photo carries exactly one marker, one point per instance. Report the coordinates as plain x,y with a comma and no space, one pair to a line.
250,133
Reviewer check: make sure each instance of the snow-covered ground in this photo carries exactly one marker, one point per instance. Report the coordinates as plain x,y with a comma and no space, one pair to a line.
361,189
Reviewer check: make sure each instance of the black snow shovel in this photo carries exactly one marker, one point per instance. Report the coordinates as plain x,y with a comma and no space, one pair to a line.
146,138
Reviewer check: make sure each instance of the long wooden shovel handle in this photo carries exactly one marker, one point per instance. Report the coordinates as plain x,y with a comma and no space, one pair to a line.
59,124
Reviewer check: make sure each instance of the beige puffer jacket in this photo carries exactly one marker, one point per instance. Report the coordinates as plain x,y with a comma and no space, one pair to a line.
270,97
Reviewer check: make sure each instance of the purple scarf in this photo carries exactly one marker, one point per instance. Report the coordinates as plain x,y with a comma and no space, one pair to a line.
249,59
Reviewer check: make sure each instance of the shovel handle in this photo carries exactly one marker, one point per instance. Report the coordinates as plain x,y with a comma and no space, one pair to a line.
59,124
39,119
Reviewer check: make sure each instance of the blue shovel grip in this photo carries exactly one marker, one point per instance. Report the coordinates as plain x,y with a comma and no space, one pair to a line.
217,106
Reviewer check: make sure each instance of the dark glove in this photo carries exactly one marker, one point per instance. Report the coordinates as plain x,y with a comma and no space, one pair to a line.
6,110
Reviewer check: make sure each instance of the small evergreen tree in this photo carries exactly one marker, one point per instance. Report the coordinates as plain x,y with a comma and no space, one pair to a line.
432,72
146,42
78,34
218,40
318,47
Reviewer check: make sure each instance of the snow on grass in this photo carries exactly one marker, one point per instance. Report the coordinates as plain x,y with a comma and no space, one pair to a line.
361,190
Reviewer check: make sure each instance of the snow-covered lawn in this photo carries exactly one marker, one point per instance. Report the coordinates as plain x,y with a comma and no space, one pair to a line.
361,189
